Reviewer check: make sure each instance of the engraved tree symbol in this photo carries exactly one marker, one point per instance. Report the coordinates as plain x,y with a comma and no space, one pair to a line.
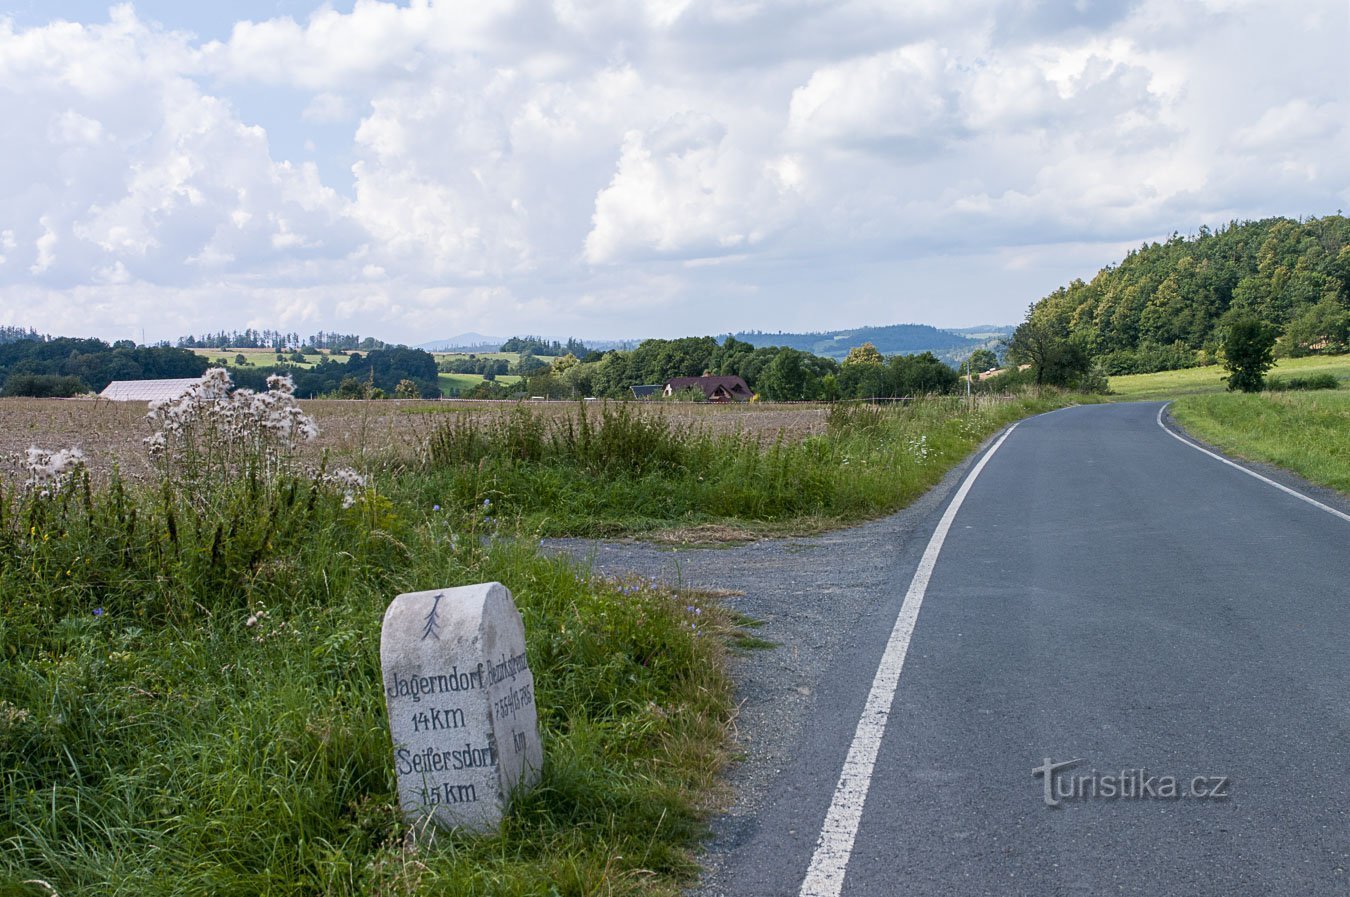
432,629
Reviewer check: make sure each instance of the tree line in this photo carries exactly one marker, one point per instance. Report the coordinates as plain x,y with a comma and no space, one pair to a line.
65,366
775,373
1170,305
537,345
278,341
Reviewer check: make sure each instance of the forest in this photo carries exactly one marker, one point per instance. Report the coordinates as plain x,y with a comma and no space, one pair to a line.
36,365
1166,305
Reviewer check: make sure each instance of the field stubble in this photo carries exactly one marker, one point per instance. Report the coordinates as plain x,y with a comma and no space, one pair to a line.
111,433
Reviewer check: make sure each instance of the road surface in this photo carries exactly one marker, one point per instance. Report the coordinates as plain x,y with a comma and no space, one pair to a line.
1108,595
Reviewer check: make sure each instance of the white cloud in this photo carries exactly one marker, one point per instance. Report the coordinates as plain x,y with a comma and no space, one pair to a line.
687,189
900,95
623,167
46,247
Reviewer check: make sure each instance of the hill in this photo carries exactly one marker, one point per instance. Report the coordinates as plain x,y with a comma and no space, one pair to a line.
893,339
1166,301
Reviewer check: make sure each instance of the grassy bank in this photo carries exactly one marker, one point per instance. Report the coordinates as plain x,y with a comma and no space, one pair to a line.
1306,432
191,699
1210,380
171,724
614,469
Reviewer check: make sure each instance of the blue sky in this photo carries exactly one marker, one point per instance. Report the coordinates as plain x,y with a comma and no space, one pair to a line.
627,169
209,21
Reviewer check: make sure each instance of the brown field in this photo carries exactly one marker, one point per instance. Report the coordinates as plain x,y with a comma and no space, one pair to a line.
110,433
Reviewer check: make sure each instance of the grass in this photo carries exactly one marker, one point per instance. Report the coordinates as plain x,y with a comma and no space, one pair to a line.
612,469
1306,432
465,382
1209,380
511,357
265,357
153,740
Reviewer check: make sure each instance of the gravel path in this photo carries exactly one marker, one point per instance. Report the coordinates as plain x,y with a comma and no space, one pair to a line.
811,594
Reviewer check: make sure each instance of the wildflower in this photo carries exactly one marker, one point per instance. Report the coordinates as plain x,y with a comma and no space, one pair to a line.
241,427
281,383
47,469
435,507
251,621
11,715
98,611
155,445
349,481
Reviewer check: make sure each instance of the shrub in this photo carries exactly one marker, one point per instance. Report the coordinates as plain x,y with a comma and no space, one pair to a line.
44,386
1312,381
1149,358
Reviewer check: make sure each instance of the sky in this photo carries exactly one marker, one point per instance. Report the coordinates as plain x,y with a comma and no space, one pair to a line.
635,168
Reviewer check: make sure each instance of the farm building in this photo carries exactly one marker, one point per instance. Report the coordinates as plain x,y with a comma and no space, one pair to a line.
147,390
716,389
646,392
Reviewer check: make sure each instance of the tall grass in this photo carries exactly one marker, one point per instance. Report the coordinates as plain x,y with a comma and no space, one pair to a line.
617,469
1307,432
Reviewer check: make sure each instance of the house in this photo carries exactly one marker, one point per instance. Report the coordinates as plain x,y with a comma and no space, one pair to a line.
715,389
147,390
645,392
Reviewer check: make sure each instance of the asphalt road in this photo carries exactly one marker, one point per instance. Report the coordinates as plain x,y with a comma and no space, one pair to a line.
1108,595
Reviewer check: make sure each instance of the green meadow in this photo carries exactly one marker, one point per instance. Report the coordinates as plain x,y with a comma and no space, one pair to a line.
464,382
1210,380
263,357
1306,432
449,383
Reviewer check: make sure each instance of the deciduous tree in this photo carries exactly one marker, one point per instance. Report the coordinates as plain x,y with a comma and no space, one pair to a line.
1249,351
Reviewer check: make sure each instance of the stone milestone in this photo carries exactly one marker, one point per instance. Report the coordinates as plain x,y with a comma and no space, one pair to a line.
460,697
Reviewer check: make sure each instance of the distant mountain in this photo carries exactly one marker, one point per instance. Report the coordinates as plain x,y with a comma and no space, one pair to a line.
894,339
475,341
985,331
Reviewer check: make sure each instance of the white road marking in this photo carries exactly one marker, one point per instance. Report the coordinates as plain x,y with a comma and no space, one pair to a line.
825,876
1251,473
